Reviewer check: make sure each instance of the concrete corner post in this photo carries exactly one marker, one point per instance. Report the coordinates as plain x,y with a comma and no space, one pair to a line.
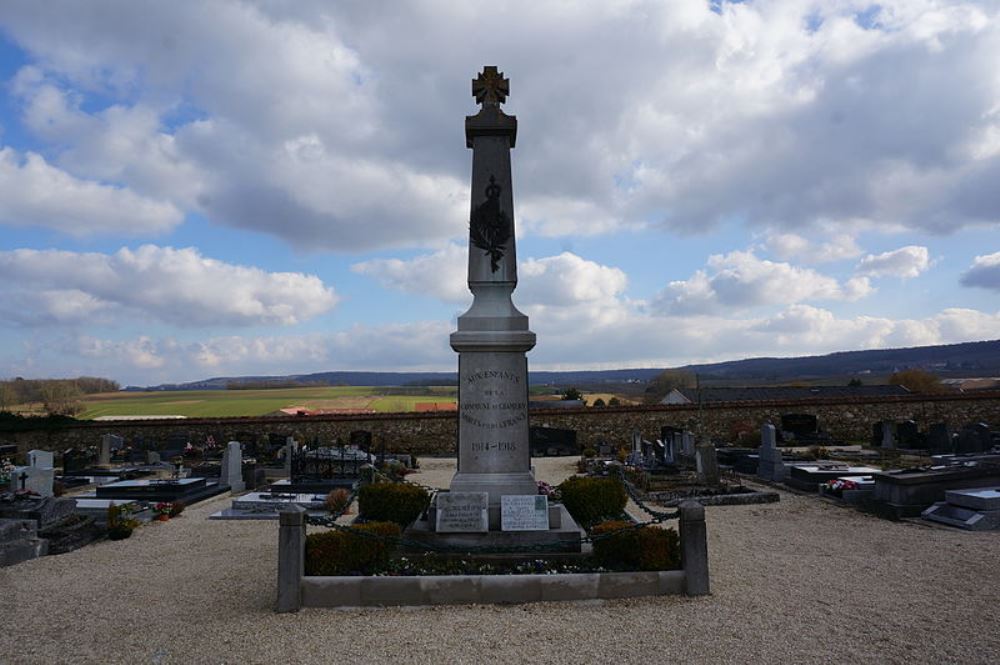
694,548
291,557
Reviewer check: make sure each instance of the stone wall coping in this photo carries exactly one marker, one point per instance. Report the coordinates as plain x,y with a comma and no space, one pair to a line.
978,396
423,590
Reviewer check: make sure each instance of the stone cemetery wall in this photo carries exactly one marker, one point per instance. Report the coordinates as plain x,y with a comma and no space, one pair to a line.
434,433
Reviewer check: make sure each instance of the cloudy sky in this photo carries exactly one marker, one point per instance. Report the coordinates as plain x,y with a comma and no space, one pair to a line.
194,189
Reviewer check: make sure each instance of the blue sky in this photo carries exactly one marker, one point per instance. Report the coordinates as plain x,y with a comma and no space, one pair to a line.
203,189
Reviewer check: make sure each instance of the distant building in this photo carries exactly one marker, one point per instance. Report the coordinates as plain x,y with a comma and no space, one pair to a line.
776,393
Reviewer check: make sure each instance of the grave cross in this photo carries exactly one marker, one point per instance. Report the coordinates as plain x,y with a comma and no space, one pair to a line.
23,478
490,87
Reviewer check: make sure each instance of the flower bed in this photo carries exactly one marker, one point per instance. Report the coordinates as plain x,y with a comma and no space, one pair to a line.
412,581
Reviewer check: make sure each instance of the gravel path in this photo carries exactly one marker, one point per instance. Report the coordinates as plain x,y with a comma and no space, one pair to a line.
799,581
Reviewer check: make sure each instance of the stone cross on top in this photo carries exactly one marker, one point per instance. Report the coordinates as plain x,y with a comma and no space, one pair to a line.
490,87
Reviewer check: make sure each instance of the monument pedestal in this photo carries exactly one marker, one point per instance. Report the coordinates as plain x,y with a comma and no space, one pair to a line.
562,538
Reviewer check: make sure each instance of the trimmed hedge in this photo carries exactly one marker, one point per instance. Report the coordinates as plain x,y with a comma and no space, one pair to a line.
401,503
344,552
636,548
590,500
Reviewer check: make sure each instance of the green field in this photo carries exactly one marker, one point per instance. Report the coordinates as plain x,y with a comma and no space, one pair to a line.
221,403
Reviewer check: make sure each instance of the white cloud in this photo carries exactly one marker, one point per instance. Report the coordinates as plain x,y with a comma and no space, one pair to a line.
35,193
741,280
177,286
442,274
561,281
342,130
905,263
787,246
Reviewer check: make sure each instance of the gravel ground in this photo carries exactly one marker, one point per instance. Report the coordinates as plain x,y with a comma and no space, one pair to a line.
800,581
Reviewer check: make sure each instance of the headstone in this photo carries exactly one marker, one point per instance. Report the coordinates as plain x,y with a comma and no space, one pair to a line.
974,438
289,455
74,460
687,443
552,441
939,438
493,336
152,457
888,435
232,467
104,456
636,442
524,513
669,451
908,435
799,426
34,479
770,465
462,512
361,439
41,459
706,463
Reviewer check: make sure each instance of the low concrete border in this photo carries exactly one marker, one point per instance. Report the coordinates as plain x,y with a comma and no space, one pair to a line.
295,590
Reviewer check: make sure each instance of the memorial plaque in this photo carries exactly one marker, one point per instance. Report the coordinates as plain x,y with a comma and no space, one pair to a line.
462,512
524,513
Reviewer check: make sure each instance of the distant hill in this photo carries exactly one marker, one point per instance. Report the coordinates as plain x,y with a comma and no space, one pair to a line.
970,359
967,360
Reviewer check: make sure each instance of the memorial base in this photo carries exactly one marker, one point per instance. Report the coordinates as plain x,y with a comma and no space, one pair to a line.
562,537
496,485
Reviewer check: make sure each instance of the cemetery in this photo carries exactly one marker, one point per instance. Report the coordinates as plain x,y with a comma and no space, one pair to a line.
682,532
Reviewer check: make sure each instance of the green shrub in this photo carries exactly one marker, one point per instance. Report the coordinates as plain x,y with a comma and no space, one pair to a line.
401,503
589,452
590,500
343,552
635,548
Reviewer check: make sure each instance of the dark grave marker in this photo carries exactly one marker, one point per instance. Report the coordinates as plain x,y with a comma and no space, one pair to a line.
974,438
799,425
362,439
552,441
940,439
74,461
908,435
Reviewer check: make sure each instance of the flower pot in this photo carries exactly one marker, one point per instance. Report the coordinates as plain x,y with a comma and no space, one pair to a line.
162,518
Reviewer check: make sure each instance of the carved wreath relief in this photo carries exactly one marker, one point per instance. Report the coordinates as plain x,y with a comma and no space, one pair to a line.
489,228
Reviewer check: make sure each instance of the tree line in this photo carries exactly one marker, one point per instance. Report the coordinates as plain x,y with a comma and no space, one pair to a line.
57,396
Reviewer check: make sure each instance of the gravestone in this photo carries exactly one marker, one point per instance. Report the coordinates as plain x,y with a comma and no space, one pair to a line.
888,435
74,461
462,512
42,459
669,451
974,438
232,467
972,509
33,479
687,443
770,465
493,336
908,435
940,439
707,463
362,439
104,456
799,426
552,441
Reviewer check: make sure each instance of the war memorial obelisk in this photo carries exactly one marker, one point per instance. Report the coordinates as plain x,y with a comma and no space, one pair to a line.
493,336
